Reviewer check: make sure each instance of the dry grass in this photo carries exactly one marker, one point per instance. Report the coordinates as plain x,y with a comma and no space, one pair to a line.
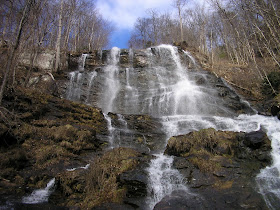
203,148
207,139
101,181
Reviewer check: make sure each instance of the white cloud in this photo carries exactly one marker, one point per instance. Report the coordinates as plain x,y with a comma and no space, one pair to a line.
123,13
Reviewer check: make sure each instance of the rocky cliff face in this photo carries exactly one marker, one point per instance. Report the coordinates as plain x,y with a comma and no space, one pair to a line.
220,168
127,104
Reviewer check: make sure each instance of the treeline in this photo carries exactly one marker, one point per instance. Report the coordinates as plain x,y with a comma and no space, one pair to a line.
82,27
59,25
237,29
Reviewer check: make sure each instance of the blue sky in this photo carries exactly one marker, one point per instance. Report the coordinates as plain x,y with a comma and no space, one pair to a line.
124,13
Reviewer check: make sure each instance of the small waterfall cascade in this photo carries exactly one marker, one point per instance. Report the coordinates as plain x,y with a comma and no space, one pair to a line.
111,129
90,82
41,195
182,101
82,62
111,82
74,90
163,179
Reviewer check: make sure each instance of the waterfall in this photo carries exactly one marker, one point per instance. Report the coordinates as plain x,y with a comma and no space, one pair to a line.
82,167
82,62
41,195
74,90
111,130
111,82
181,100
90,84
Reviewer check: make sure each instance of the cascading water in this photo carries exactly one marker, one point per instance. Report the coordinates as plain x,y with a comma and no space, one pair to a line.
41,195
82,62
111,82
182,101
74,91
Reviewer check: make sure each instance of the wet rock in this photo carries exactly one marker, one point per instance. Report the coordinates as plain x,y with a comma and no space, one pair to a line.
138,131
140,60
136,183
218,165
255,139
275,110
115,206
181,200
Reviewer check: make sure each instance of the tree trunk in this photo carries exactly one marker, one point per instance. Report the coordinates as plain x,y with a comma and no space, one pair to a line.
57,56
12,55
181,24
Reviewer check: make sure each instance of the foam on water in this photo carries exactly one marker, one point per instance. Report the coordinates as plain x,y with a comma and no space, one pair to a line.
41,195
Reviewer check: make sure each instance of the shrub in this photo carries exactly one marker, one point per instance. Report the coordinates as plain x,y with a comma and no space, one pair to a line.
274,78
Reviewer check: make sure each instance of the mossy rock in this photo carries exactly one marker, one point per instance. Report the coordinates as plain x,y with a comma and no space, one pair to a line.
98,184
208,140
218,165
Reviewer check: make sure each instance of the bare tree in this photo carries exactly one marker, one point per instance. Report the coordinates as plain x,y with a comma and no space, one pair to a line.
58,41
21,24
179,5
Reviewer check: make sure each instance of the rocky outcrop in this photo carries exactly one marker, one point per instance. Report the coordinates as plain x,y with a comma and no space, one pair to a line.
44,83
42,136
44,60
112,179
220,167
138,131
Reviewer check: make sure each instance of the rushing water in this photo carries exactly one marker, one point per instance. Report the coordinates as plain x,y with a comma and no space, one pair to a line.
41,195
165,89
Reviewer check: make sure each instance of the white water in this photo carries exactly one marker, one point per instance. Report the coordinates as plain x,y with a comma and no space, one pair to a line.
163,179
82,167
190,115
41,195
82,62
111,83
167,91
111,130
76,80
90,84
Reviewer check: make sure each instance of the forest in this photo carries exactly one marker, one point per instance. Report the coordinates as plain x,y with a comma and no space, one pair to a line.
242,33
35,25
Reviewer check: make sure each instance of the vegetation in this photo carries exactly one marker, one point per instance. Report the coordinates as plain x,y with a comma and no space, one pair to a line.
33,25
233,34
102,185
203,148
45,130
271,86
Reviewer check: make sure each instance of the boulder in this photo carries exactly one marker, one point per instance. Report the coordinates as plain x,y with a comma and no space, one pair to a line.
136,183
255,139
181,200
218,165
275,110
45,83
